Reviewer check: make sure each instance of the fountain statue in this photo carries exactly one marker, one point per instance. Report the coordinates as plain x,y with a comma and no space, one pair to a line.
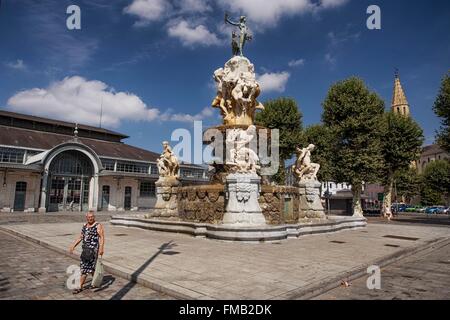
306,172
167,185
304,169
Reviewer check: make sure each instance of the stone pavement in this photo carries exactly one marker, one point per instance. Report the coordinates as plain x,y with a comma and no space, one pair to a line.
187,267
423,276
38,273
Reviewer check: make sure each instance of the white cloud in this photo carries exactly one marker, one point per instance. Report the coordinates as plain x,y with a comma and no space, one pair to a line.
330,59
269,12
17,65
296,63
76,99
273,81
148,10
194,6
340,38
189,35
182,117
262,14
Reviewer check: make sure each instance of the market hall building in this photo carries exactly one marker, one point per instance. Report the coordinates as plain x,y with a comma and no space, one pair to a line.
48,165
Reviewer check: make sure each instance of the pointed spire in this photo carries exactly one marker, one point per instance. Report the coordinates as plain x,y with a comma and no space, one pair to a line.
399,102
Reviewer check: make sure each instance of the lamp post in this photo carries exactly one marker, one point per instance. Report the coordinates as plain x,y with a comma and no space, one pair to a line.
328,196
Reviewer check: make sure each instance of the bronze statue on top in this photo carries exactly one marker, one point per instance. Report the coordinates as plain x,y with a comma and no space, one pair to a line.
238,48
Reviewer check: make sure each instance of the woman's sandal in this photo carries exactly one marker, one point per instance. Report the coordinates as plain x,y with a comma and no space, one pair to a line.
77,291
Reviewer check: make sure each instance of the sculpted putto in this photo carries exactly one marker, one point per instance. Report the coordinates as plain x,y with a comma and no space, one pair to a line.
304,168
168,165
242,158
237,92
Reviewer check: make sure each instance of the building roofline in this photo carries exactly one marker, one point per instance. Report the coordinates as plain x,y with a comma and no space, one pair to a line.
22,116
70,138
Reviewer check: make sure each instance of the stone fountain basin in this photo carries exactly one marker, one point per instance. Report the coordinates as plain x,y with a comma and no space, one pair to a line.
242,233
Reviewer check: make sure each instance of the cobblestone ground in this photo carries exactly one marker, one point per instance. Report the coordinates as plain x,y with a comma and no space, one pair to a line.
31,272
424,276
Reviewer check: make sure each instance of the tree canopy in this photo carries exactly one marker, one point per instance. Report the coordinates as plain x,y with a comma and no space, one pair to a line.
442,110
354,115
436,183
283,114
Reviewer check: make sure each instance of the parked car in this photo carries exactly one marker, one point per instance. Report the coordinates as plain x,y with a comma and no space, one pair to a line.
421,210
447,210
441,210
431,210
398,207
412,209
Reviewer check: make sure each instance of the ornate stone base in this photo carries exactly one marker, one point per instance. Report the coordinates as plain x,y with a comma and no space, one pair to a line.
242,206
242,233
166,199
310,205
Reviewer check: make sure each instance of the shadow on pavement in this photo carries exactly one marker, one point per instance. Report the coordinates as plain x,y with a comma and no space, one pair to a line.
122,292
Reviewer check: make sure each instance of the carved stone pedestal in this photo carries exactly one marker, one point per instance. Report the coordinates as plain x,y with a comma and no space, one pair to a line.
310,205
166,198
242,191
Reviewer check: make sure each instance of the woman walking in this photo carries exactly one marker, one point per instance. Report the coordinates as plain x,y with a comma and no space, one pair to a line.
93,242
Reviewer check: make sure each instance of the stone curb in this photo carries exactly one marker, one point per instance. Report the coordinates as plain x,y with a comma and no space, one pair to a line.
304,293
330,283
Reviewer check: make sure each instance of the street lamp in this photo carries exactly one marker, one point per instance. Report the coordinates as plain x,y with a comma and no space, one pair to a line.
327,195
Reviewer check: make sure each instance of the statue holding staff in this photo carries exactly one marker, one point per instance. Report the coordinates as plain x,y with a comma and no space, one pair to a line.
244,35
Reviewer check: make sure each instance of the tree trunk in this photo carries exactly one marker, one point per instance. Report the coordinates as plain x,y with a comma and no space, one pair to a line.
387,201
357,208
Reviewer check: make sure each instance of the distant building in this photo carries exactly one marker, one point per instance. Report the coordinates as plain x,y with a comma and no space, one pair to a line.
429,154
48,165
333,188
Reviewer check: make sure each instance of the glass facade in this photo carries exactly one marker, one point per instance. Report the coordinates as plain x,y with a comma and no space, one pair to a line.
108,164
147,189
11,155
132,167
191,173
154,169
72,163
145,168
70,173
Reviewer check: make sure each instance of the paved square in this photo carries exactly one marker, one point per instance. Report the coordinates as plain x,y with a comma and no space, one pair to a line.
31,272
206,269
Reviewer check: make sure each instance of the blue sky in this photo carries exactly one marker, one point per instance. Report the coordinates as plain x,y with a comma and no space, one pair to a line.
150,62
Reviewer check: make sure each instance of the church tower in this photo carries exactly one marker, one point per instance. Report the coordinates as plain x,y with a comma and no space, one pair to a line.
399,103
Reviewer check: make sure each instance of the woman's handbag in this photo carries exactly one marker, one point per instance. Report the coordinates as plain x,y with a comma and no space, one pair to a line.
98,274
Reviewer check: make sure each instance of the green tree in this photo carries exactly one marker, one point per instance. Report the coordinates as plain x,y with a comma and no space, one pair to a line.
354,114
436,183
408,184
283,114
442,110
402,141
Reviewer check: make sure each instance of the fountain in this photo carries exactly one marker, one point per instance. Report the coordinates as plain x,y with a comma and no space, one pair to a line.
237,204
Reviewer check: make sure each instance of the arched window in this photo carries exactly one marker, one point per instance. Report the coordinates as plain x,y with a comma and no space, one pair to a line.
72,163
